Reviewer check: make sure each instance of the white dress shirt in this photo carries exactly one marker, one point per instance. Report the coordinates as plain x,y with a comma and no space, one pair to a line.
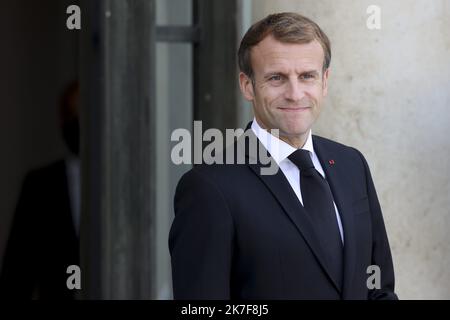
280,150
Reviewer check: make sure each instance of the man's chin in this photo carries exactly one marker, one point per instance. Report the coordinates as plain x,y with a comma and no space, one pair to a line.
293,133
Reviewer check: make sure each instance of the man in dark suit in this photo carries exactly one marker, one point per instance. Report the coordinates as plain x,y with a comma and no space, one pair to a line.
313,228
43,239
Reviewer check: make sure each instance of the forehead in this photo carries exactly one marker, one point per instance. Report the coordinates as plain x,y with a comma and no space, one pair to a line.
272,54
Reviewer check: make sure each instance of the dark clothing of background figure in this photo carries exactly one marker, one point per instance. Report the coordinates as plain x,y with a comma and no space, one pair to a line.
43,240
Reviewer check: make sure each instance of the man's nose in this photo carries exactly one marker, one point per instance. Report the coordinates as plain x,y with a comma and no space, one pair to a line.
294,90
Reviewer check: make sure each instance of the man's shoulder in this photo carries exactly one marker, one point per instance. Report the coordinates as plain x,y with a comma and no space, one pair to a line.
329,144
333,146
227,169
350,154
219,171
205,179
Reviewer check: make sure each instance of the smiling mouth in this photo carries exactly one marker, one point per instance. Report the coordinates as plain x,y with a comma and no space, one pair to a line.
295,109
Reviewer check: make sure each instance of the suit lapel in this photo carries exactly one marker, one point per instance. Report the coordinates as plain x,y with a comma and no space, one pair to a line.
335,174
282,191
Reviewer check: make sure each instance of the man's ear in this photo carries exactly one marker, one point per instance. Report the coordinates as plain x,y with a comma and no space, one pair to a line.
246,85
325,82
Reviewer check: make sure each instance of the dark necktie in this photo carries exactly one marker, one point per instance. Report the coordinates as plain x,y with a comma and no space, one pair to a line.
318,203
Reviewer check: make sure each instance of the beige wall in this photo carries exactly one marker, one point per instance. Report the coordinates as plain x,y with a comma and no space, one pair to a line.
390,98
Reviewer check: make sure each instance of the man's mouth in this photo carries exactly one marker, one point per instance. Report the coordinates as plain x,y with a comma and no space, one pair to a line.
294,109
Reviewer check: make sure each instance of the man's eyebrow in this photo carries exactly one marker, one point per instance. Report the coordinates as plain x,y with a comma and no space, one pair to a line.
272,73
312,72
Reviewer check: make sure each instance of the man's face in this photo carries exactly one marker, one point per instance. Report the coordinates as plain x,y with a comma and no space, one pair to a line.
288,88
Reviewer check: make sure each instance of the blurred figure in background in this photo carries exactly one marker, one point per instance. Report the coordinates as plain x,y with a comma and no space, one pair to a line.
44,237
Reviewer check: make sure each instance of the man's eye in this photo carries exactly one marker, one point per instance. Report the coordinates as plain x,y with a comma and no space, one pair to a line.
307,76
275,78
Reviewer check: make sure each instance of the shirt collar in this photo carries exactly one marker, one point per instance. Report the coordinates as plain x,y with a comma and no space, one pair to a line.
278,149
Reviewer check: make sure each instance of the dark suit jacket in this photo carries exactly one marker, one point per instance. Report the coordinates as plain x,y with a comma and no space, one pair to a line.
242,235
42,242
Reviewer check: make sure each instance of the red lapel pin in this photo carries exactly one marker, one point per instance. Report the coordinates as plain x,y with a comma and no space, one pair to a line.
331,162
